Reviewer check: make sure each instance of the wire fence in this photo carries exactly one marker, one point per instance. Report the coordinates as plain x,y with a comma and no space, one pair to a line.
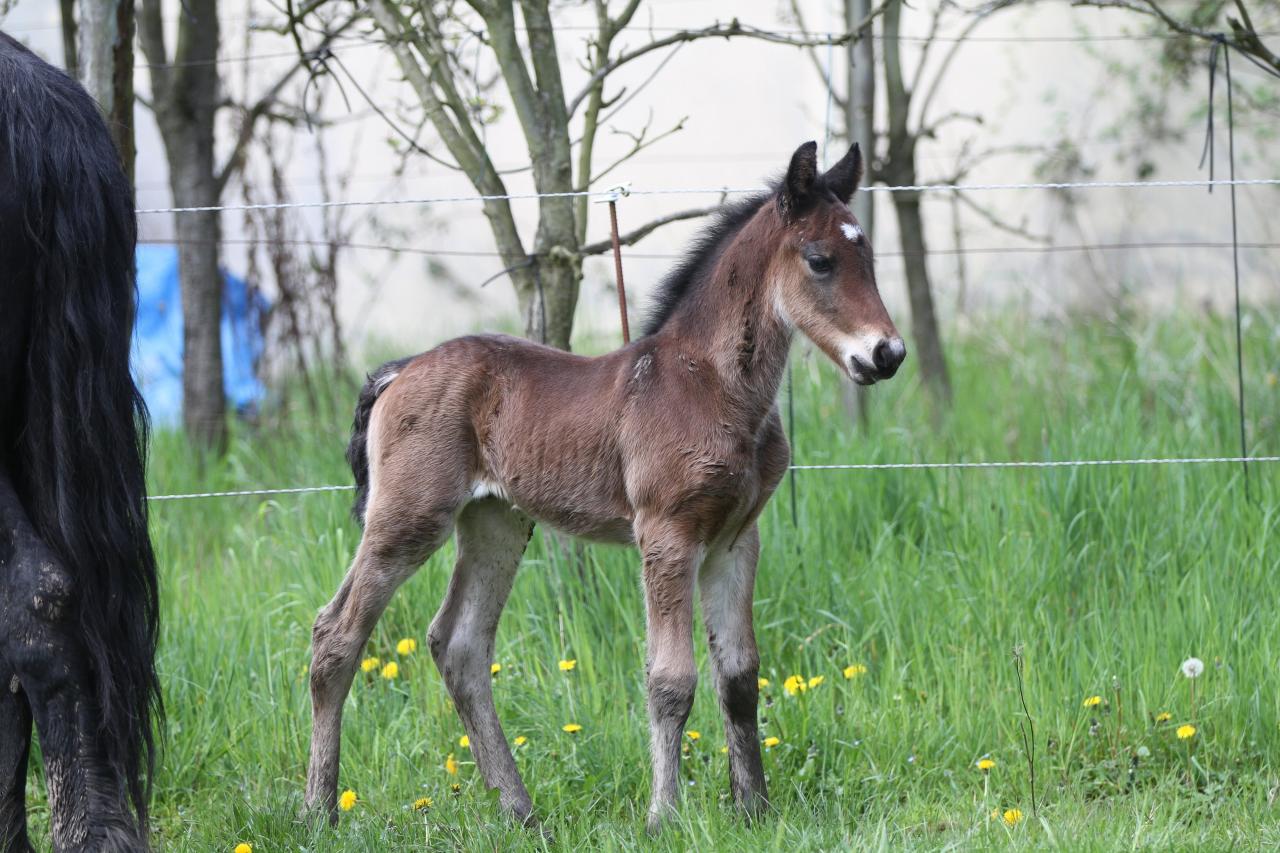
614,194
854,466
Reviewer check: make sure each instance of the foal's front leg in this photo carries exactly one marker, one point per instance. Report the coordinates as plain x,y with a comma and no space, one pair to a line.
671,561
726,583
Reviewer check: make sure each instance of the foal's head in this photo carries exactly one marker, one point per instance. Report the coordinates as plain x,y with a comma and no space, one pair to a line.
822,274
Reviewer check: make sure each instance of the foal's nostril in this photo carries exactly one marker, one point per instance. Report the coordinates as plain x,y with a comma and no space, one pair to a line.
888,355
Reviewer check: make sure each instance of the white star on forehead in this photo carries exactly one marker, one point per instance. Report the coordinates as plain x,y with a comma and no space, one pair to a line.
851,231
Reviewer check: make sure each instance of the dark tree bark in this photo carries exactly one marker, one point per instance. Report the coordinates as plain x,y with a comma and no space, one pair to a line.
70,53
185,100
900,169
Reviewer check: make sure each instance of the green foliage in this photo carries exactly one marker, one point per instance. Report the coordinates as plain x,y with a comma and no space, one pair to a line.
927,578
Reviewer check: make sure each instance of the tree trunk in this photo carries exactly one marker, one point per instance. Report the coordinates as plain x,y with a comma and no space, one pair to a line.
70,59
185,96
924,320
199,235
104,65
900,169
859,122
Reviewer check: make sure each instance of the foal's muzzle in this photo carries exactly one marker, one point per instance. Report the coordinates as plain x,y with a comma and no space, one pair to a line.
885,358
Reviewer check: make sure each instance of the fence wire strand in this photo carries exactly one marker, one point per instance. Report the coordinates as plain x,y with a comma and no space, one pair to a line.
855,466
917,188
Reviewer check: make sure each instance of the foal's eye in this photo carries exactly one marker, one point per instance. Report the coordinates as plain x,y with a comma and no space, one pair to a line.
818,264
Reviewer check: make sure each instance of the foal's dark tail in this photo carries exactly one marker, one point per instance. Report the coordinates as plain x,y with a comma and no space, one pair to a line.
73,427
358,448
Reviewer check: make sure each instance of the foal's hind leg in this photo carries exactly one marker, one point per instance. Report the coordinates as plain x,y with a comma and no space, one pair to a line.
398,538
15,744
492,536
726,583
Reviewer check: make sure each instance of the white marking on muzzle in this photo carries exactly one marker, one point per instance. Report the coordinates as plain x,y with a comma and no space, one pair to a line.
863,347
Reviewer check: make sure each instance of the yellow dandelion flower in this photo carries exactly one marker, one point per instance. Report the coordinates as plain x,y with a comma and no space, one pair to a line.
1093,701
854,670
1164,717
464,742
407,646
795,684
495,668
451,765
985,764
1012,817
391,670
816,680
347,801
724,749
422,804
693,735
568,665
455,789
571,728
244,847
521,740
1186,732
762,683
369,664
771,742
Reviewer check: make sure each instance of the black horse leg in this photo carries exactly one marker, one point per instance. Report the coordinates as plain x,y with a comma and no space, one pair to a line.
15,744
42,647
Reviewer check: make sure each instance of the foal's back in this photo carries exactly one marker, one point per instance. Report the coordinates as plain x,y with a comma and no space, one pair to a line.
493,415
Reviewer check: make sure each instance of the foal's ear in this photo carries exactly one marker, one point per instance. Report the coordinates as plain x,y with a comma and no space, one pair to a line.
843,178
798,183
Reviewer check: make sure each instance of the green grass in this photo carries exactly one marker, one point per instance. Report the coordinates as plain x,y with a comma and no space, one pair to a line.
1107,579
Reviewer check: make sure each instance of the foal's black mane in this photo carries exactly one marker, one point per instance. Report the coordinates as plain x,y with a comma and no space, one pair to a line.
700,258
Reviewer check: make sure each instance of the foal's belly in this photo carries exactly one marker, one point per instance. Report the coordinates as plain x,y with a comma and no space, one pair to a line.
582,512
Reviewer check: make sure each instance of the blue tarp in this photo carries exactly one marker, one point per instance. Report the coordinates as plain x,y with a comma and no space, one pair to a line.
157,337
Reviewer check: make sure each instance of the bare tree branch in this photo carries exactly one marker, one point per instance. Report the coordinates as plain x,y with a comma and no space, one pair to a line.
733,29
249,118
1244,36
632,237
455,130
1008,227
639,143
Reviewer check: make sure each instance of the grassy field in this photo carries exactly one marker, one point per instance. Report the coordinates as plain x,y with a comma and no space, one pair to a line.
1107,579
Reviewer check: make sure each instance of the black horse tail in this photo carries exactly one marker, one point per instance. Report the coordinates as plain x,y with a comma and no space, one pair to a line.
358,447
73,426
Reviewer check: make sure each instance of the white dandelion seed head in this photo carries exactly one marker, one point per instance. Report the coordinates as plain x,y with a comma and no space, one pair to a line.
1192,667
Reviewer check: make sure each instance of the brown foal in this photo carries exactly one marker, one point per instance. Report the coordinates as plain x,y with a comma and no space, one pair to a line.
672,442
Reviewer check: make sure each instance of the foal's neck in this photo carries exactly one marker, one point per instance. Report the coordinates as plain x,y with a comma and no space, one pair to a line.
730,323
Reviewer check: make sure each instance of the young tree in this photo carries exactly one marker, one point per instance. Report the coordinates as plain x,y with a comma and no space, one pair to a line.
911,116
559,127
185,98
